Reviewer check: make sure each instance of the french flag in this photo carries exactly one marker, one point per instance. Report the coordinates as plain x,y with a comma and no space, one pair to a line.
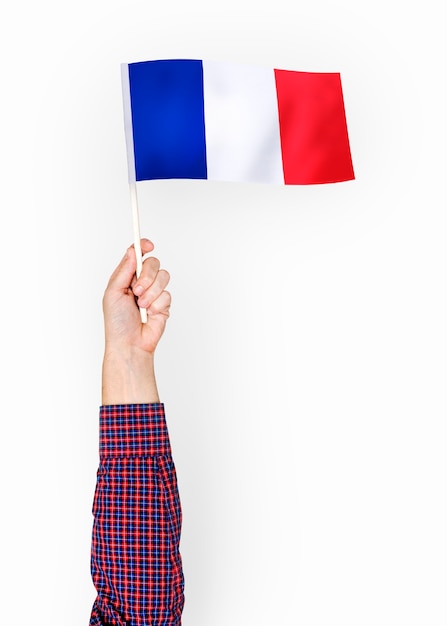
228,122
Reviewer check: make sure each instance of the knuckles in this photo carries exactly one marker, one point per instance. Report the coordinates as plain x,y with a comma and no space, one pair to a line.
152,263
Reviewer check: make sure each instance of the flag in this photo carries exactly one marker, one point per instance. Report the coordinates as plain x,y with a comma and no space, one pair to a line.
228,122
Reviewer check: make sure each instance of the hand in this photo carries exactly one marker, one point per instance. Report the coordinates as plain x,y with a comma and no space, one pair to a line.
128,368
123,326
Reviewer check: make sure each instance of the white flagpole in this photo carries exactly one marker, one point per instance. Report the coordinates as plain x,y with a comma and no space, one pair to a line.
136,238
132,177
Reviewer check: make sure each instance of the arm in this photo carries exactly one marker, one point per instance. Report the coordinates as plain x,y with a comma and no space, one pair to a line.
136,564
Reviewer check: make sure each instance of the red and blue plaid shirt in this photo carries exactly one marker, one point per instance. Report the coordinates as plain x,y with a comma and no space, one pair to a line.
136,564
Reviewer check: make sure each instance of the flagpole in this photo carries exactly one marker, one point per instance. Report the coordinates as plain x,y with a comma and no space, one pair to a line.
127,110
136,238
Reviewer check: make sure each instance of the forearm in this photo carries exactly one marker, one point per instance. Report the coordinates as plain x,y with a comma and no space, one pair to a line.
128,377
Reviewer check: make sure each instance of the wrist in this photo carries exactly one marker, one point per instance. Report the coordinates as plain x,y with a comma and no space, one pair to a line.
128,376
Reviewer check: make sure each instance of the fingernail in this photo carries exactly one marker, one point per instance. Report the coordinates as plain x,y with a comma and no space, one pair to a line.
138,290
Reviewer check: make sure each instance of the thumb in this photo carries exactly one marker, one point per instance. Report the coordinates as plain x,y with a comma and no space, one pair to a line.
123,274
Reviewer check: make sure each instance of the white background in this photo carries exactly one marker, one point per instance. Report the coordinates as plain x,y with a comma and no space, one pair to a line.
304,365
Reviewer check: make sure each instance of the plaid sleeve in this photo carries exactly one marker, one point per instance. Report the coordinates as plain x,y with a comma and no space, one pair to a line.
135,561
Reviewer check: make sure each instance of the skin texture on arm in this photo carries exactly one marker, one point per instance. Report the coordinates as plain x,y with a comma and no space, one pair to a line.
128,366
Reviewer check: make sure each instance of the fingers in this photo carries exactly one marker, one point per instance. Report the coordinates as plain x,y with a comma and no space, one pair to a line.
151,284
123,275
154,290
148,274
149,288
161,304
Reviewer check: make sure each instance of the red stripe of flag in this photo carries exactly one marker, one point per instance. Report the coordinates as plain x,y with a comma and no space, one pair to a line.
313,130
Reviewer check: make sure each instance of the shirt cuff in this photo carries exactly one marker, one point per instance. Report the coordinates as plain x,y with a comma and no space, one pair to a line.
133,430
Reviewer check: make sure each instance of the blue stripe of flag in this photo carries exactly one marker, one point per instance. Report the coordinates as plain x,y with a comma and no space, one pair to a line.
168,119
